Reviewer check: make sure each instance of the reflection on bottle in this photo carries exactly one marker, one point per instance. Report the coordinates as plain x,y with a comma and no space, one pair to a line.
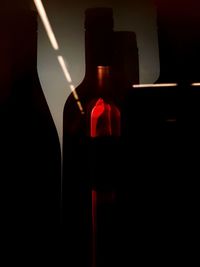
101,119
105,115
105,121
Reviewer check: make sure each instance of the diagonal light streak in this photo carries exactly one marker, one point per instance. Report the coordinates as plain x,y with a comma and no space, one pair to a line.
46,23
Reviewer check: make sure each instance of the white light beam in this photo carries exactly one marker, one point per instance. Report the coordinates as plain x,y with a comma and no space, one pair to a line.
44,18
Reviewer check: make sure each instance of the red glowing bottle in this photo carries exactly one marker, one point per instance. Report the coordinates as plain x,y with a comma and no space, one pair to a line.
105,124
90,151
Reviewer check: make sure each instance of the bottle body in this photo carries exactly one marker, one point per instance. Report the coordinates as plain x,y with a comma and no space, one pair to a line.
162,117
30,154
90,157
91,149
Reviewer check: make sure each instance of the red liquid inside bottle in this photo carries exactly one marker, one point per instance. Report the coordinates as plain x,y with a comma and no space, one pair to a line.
105,120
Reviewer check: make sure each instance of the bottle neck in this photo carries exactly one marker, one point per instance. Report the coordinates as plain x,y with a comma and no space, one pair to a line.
103,79
25,45
178,43
98,51
125,61
167,58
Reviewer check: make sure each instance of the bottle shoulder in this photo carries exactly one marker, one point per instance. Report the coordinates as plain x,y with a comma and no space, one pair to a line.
76,121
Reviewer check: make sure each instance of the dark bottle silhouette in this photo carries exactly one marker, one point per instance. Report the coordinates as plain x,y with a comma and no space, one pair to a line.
179,29
30,172
159,118
125,69
92,148
181,24
179,56
178,25
151,114
84,136
125,62
156,106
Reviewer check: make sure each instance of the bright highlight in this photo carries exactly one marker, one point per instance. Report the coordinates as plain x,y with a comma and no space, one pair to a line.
64,68
44,18
155,85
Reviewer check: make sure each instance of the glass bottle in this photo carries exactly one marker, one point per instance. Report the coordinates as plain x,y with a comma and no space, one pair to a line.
160,116
91,131
30,149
